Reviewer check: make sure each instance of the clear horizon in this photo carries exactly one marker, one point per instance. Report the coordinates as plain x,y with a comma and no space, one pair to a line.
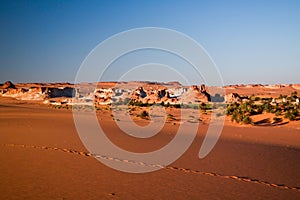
253,42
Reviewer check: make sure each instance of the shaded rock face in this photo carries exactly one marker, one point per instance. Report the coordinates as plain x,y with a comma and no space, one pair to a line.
169,95
143,94
233,97
217,98
134,93
161,93
152,96
201,94
104,96
202,88
61,92
7,85
35,91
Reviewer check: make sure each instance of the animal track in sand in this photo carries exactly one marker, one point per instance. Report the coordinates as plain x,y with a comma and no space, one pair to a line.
172,168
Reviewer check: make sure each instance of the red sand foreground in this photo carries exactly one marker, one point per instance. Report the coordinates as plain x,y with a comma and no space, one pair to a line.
42,157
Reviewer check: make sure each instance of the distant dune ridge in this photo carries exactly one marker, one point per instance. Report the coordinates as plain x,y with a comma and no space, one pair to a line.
7,85
137,92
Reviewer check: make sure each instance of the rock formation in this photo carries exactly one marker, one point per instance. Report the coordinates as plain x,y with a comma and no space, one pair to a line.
135,92
8,85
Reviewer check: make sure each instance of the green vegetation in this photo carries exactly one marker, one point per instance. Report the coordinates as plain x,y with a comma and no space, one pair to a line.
277,119
240,112
170,117
291,114
144,114
282,107
286,106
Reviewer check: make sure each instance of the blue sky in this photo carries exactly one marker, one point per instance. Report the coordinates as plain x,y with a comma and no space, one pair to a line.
250,41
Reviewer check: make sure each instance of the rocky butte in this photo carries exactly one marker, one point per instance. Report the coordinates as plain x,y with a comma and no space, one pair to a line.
105,93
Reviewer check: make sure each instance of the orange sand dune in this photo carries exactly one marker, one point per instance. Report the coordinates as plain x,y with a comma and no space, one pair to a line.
42,157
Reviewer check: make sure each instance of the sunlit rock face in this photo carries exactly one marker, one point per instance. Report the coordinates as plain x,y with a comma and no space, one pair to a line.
142,93
36,91
233,97
105,93
8,85
133,92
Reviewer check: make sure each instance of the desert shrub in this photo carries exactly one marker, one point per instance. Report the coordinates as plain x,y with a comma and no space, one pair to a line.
290,98
202,106
222,105
219,106
252,97
135,103
176,106
277,119
267,107
187,106
97,108
259,109
208,106
231,108
267,99
170,117
246,120
294,95
240,113
140,104
291,114
252,111
278,113
249,107
241,118
257,98
144,114
195,106
236,115
295,112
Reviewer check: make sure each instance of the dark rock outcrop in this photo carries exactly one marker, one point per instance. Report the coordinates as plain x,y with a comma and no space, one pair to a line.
8,85
64,92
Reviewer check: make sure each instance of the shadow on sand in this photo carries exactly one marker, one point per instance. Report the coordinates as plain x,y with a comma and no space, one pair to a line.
268,122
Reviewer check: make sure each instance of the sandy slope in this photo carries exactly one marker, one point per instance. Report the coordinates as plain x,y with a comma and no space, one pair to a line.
244,153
